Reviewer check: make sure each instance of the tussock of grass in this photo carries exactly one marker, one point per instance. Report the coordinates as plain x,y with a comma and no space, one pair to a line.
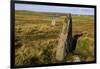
40,54
85,48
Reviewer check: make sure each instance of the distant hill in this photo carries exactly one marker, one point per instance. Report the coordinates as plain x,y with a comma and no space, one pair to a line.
27,12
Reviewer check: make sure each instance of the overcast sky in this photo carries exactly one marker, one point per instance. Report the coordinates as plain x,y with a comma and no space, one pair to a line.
58,9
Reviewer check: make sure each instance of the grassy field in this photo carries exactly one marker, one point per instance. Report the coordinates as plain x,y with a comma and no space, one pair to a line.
36,38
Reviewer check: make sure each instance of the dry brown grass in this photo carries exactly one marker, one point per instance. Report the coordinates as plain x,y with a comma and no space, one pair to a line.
36,39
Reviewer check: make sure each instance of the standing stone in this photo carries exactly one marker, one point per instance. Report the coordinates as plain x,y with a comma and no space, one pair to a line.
69,36
53,22
64,40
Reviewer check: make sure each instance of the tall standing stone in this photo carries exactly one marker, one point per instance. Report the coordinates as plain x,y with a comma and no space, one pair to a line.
64,40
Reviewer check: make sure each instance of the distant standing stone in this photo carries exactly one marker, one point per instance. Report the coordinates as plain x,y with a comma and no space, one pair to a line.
53,22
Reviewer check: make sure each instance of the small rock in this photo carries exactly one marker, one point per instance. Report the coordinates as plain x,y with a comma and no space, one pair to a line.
76,59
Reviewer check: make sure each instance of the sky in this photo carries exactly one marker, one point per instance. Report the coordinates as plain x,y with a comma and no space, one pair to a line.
57,9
